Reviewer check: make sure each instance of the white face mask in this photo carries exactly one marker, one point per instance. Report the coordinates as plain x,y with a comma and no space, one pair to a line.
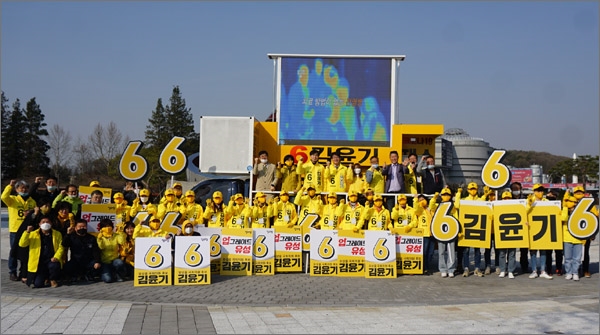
51,188
188,230
143,199
264,161
45,226
72,196
375,166
516,193
357,171
431,167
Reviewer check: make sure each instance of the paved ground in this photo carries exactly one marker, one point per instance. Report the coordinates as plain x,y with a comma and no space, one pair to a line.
298,303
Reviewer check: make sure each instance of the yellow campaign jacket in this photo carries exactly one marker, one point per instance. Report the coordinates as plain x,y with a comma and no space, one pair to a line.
337,179
260,216
145,231
329,219
127,252
404,216
424,215
308,205
109,246
16,208
285,214
176,199
349,217
314,175
290,180
238,216
139,207
166,207
215,218
33,240
192,212
567,237
123,215
358,184
410,181
375,180
378,220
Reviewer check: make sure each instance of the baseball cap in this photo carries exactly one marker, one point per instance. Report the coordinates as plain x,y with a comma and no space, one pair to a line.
177,184
190,193
169,191
579,189
332,195
471,186
506,195
260,195
351,193
238,196
283,192
377,197
95,183
217,194
118,195
446,191
401,196
537,187
311,187
144,192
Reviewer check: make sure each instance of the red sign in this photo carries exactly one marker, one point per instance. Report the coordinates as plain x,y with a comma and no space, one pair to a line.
521,175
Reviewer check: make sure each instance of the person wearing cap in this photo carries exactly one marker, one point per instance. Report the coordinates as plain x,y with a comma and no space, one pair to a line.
579,193
368,198
309,203
329,218
403,216
538,195
507,255
142,204
261,211
337,176
237,213
214,212
178,192
472,189
423,215
153,229
377,217
170,205
572,246
286,173
373,176
552,195
122,212
190,210
490,195
313,172
351,213
95,183
517,193
358,182
284,211
446,250
394,177
265,172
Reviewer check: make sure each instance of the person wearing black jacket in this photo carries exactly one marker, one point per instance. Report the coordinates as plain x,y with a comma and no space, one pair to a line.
51,190
85,254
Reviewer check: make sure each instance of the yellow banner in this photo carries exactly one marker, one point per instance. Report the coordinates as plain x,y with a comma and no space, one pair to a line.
236,247
153,260
475,218
323,253
288,249
351,253
510,230
308,222
263,256
545,226
380,254
409,251
192,260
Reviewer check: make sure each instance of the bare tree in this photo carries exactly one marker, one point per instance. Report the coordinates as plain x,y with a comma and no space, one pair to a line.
107,143
60,148
82,156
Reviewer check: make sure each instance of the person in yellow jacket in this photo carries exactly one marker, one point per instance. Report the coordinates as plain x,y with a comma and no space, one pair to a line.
170,205
313,172
45,254
123,212
374,177
538,195
507,255
579,193
351,214
464,252
238,212
357,182
190,210
572,246
151,230
18,207
309,203
446,250
284,211
403,215
369,194
127,250
142,204
290,180
179,197
109,242
377,217
423,215
214,213
337,176
261,212
410,179
329,219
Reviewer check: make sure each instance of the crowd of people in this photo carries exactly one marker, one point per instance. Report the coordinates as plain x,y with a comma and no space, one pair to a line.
49,238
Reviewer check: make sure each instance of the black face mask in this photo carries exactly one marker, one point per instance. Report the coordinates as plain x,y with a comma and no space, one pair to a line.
551,198
81,231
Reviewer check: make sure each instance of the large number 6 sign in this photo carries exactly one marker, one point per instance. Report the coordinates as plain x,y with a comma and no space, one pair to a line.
495,174
172,160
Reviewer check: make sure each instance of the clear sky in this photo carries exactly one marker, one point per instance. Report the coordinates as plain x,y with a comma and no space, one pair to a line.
520,75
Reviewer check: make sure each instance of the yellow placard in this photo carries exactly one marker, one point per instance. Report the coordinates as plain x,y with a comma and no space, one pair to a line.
236,247
475,218
153,262
263,256
545,226
380,254
288,249
409,251
351,253
510,230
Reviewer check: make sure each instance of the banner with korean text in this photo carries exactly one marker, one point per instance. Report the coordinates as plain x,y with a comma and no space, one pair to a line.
288,249
93,214
380,254
545,226
510,230
409,250
263,256
351,253
85,194
323,252
236,259
475,219
192,260
153,261
215,247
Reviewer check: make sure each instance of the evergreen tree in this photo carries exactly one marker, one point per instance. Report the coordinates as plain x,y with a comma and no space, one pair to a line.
35,156
13,129
180,122
156,131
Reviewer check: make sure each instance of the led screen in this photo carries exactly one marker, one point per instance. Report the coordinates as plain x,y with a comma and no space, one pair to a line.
335,101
